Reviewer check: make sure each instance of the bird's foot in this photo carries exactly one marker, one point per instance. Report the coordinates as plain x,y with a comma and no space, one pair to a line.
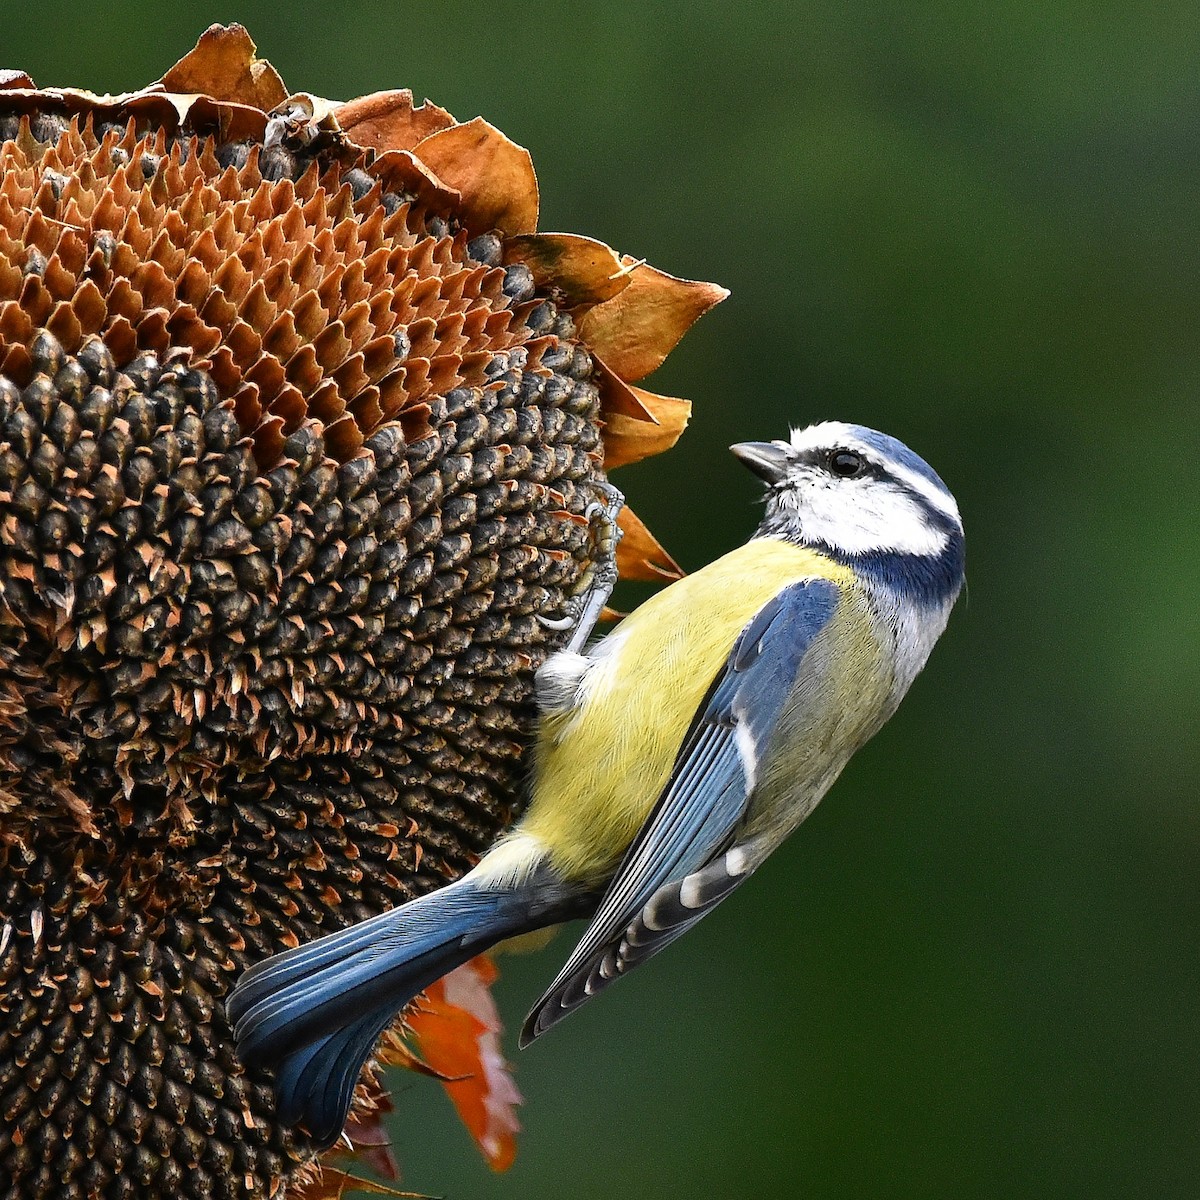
584,606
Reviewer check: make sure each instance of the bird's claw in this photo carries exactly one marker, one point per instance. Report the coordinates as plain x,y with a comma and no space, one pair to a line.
582,609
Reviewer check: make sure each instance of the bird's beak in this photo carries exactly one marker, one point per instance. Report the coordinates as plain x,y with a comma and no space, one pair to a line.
767,460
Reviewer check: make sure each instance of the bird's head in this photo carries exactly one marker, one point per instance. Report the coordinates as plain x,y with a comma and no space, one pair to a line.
864,498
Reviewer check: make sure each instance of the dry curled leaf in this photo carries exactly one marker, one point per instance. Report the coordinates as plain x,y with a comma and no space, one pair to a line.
628,440
636,330
639,556
390,120
493,174
456,1028
223,65
581,270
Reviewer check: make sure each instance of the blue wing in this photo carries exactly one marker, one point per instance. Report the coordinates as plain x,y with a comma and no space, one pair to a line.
676,869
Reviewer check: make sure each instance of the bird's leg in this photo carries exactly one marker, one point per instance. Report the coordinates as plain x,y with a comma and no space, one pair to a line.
584,606
558,684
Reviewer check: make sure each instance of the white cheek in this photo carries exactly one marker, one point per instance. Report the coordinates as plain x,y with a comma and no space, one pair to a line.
864,517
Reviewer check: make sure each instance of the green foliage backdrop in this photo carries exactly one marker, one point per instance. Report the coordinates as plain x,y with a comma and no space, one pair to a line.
974,972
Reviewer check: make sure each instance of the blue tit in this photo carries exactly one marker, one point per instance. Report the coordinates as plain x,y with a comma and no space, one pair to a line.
671,758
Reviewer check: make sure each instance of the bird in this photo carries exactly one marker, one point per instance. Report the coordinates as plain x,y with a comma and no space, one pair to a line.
671,757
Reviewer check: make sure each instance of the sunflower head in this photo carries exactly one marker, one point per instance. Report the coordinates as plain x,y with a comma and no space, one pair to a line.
299,417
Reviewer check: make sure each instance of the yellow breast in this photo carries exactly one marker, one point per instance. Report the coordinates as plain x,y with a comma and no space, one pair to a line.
600,770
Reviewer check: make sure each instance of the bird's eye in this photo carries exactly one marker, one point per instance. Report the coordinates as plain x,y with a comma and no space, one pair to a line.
845,464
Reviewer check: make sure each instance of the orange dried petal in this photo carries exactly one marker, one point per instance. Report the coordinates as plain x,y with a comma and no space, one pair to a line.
403,171
390,120
636,330
456,1026
222,65
639,556
581,269
369,1137
494,175
617,396
627,440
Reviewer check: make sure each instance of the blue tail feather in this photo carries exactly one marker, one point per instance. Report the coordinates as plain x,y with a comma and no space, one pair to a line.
426,919
315,1084
314,1013
267,977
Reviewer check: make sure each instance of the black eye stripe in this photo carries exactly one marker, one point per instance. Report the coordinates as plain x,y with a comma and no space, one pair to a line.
821,460
870,469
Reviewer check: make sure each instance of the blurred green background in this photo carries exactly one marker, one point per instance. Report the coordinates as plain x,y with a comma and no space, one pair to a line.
974,972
